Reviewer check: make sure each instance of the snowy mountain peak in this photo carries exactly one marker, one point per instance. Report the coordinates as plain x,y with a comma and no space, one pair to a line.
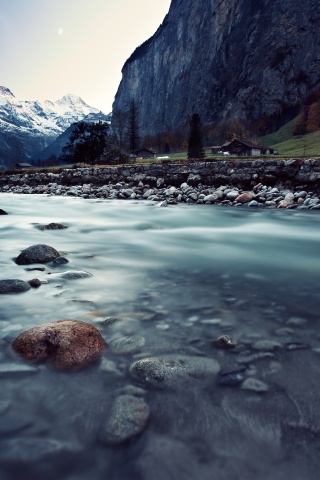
32,125
5,92
70,99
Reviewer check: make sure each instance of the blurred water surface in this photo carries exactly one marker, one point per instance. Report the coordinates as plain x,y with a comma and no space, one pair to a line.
179,277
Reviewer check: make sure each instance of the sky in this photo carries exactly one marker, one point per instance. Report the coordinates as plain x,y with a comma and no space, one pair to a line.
50,48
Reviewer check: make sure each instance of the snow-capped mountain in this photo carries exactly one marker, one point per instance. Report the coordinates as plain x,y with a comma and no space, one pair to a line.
27,127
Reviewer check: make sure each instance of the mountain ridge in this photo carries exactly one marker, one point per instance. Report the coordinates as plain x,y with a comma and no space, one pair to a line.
27,127
248,59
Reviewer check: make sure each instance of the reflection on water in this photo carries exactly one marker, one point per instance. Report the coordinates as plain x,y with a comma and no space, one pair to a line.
177,278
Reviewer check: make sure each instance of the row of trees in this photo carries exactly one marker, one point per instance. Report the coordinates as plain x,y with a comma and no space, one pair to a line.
98,143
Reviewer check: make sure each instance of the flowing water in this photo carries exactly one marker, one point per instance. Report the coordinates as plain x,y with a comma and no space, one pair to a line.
175,279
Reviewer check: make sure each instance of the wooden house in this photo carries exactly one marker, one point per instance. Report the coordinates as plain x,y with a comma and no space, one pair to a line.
246,148
22,166
145,153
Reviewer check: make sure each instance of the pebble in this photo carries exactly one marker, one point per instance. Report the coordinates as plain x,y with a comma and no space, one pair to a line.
224,342
254,357
296,346
296,321
71,275
109,366
126,344
266,345
255,385
231,379
59,261
133,390
128,417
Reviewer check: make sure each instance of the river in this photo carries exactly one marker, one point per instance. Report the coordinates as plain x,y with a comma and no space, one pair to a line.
173,280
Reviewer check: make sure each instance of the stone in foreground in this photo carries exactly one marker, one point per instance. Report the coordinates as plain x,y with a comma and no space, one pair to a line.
67,344
128,417
14,286
37,254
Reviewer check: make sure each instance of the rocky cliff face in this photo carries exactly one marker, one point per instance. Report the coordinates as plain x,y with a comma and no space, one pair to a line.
224,59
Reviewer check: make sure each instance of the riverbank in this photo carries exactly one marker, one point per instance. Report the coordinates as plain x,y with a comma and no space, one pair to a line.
293,183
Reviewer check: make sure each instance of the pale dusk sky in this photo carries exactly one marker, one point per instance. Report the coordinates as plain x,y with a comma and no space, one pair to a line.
50,48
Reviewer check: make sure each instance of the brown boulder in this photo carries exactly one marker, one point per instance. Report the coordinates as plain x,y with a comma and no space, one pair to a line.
244,197
68,344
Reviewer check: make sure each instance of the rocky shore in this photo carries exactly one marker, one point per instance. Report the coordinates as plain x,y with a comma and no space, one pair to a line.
293,183
260,196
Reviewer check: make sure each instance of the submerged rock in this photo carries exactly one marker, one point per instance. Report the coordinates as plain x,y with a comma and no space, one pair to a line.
254,385
128,417
53,226
72,275
224,341
37,254
14,286
30,450
68,344
35,283
59,261
173,370
128,344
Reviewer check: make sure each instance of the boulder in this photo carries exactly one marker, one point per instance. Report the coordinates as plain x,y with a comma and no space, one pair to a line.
67,344
2,212
14,286
245,197
37,254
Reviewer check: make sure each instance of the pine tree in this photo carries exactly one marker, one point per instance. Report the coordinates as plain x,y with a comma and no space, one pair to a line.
86,143
195,144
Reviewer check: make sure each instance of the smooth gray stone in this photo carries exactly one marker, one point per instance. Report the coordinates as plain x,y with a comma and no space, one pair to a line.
173,370
128,418
254,385
71,275
127,344
14,286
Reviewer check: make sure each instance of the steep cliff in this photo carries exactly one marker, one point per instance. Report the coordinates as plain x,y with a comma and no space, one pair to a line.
246,59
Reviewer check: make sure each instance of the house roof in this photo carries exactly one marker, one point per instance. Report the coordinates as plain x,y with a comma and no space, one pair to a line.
145,150
251,144
247,143
24,165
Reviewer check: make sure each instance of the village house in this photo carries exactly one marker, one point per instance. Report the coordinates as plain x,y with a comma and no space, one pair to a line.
145,153
246,148
22,166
